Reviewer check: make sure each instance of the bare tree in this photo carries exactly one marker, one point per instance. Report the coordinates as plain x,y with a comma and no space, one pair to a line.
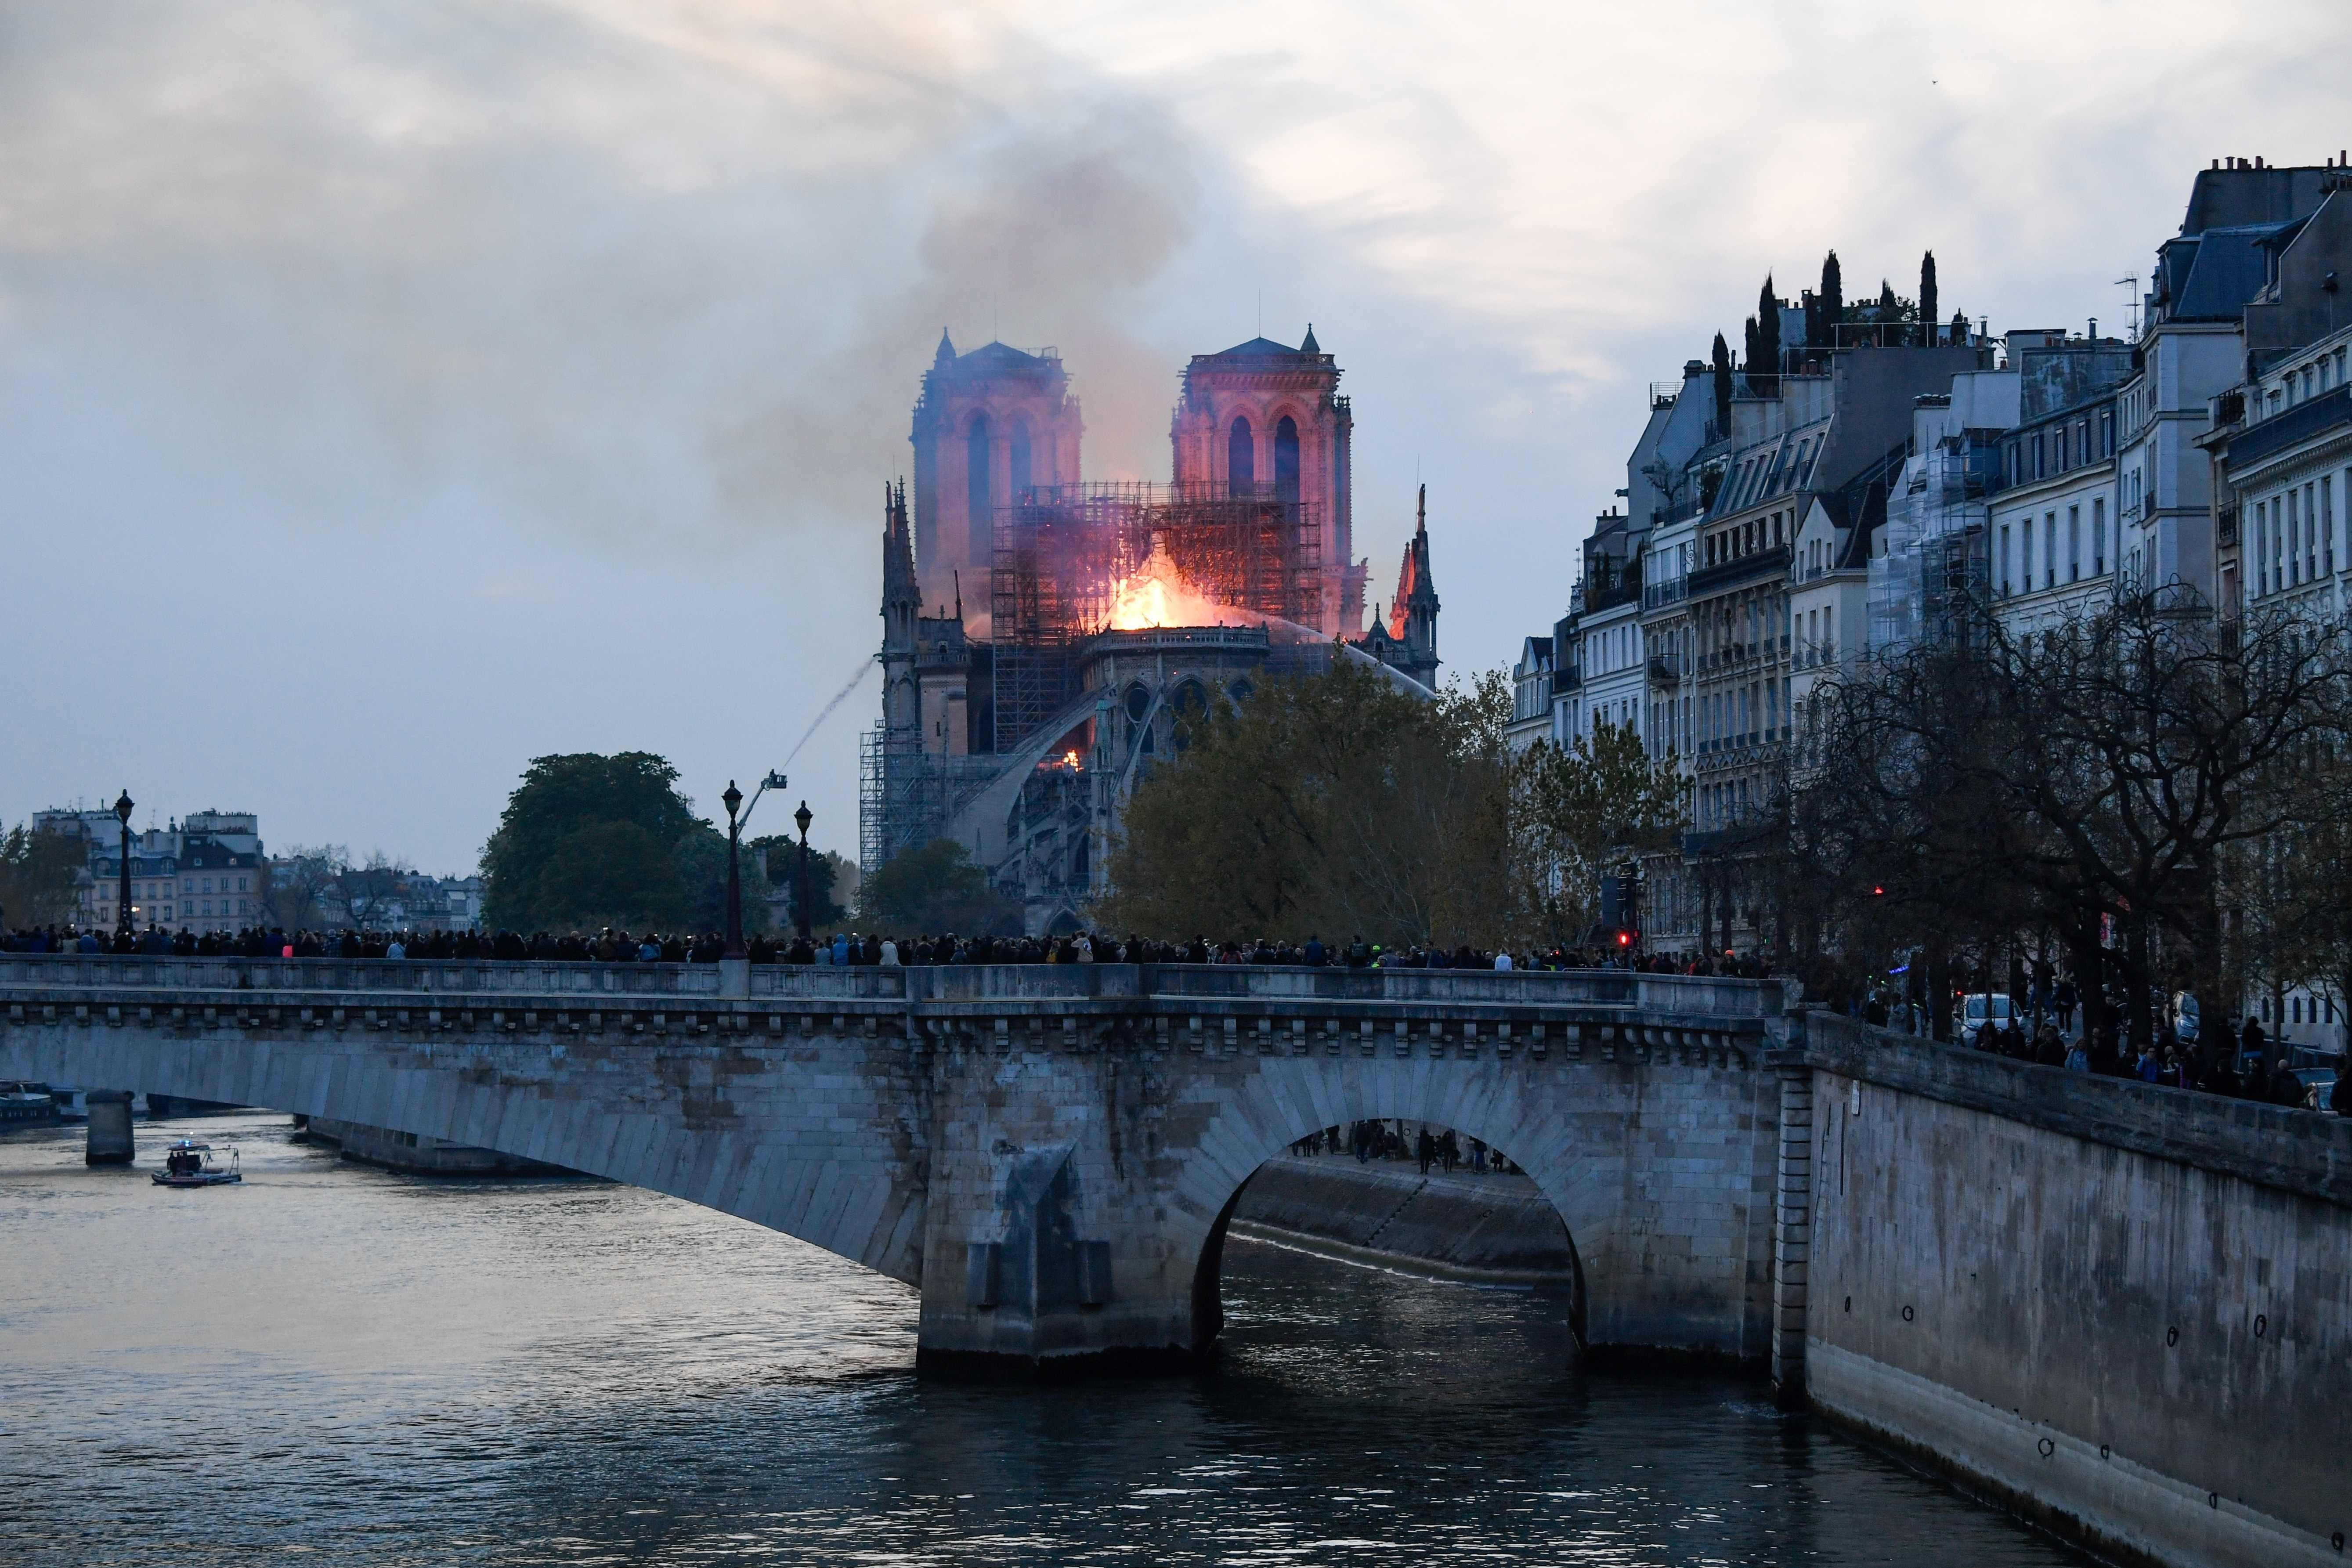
302,889
2104,766
373,890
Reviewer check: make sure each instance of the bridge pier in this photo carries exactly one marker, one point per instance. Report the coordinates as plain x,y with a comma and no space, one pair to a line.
109,1141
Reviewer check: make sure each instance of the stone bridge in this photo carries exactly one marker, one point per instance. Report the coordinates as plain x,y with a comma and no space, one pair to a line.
1048,1153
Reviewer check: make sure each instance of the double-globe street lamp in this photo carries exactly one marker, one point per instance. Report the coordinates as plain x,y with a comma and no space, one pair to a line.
735,826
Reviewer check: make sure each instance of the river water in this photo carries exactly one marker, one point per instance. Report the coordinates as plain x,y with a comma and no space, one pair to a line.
334,1362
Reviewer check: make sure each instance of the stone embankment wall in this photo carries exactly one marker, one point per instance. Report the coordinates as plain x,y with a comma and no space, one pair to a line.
2123,1311
1489,1227
422,1155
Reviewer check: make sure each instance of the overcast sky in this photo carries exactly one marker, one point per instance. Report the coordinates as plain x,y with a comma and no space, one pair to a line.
392,391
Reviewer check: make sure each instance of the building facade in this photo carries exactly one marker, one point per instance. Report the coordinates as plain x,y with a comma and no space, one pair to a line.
1876,481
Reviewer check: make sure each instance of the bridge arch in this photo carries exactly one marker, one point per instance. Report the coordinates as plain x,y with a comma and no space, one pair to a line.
867,1111
1582,1177
683,1112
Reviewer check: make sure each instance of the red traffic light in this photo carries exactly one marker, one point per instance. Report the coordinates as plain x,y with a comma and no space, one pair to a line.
1625,939
1877,892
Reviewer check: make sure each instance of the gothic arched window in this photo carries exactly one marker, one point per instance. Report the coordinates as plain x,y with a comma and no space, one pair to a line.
1286,459
1019,461
980,494
1191,704
1240,458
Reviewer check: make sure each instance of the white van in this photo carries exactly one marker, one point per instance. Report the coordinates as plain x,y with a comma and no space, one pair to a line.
1976,1007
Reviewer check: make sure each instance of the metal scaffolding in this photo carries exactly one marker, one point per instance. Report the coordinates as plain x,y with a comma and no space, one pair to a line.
1062,551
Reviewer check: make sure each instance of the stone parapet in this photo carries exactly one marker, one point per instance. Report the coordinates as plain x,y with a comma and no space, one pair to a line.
2305,1153
2121,1309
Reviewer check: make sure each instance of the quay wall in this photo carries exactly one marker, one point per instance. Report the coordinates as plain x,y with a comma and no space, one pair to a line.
421,1154
2121,1310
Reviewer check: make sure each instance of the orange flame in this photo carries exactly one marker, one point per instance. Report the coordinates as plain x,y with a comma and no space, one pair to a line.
1156,594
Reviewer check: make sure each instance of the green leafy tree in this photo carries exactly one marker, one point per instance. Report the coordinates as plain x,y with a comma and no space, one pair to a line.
1336,804
589,840
37,877
933,888
780,860
1581,811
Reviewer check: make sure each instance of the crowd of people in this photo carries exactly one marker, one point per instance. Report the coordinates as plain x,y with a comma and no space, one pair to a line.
849,948
2039,1027
1390,1140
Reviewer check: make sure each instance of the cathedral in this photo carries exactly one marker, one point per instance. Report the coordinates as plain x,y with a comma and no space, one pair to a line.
1045,640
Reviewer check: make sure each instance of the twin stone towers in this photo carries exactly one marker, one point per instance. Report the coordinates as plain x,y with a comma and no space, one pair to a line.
1048,640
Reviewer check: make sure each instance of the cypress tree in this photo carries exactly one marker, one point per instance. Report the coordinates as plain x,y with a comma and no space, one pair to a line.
1765,359
1832,304
1723,381
1927,298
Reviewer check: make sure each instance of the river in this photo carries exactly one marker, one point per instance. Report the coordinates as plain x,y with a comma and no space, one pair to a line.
334,1362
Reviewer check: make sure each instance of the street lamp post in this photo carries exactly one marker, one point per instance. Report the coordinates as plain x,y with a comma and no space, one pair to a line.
800,892
734,964
123,900
734,798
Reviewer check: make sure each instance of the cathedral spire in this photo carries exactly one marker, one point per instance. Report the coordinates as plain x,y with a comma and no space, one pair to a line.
902,596
1310,346
947,354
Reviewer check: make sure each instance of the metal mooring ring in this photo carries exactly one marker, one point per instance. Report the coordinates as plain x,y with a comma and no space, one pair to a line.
2047,1447
1906,1314
2212,1499
2172,1336
2261,1321
2103,1451
2336,1541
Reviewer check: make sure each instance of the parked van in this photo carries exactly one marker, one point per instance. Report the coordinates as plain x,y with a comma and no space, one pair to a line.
1978,1006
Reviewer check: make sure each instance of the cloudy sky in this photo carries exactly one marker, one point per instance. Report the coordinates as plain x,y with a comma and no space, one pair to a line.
392,391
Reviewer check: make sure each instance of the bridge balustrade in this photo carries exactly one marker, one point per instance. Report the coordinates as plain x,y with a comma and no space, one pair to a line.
1215,987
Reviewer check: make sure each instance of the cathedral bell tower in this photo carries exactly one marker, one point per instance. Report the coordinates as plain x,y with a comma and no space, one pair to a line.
989,425
1266,419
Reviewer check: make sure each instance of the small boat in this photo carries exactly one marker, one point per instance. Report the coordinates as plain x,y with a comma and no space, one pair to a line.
188,1164
26,1102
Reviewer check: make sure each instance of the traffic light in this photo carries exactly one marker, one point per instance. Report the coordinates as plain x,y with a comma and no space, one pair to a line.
1619,918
